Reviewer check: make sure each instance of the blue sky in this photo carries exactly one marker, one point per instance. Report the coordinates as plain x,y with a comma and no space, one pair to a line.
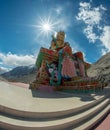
86,24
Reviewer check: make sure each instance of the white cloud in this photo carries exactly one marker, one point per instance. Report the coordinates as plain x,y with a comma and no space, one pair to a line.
89,15
13,60
105,37
90,34
85,58
84,4
3,70
92,18
103,51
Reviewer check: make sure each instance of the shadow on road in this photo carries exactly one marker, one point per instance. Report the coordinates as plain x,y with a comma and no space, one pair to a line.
83,96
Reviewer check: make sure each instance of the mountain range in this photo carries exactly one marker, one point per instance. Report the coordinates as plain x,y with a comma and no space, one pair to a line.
25,74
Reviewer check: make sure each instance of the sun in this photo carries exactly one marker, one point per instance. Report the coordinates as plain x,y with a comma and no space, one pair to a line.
46,26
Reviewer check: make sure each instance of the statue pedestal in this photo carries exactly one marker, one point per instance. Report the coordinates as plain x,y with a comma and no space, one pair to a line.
46,88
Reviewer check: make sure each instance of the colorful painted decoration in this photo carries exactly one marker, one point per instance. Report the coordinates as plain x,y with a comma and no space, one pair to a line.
63,70
68,67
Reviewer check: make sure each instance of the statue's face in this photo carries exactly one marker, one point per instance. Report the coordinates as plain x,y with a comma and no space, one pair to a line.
52,68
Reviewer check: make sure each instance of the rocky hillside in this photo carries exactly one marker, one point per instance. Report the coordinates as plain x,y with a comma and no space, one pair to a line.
103,65
24,74
2,79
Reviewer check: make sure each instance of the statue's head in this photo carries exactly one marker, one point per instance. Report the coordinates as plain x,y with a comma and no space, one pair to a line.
61,35
58,40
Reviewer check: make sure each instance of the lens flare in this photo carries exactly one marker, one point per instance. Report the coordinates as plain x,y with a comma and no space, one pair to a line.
46,27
